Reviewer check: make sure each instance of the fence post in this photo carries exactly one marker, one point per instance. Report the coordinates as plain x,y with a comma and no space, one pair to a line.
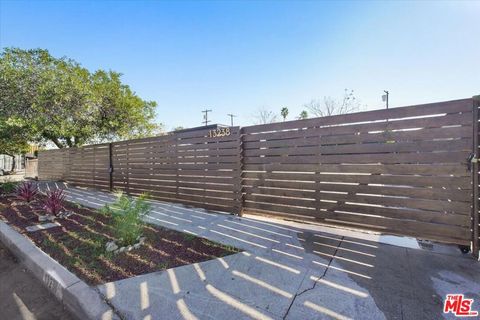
67,163
475,207
110,169
240,198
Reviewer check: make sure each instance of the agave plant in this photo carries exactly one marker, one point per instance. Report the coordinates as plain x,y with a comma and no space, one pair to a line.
53,204
26,191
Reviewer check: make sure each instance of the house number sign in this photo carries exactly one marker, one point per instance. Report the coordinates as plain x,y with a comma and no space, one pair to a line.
219,132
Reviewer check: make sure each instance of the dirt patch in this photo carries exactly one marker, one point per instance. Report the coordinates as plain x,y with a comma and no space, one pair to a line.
79,244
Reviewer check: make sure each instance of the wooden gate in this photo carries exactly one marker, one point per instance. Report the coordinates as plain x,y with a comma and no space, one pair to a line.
402,171
31,168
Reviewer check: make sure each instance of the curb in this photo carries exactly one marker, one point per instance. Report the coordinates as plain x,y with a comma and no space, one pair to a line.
81,300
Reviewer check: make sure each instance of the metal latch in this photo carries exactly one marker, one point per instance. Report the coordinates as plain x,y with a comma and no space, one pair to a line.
471,159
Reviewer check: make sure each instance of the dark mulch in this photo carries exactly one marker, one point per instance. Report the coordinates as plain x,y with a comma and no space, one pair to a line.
79,244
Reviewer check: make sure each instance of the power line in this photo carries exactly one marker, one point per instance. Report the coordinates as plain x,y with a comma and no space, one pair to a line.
205,116
231,118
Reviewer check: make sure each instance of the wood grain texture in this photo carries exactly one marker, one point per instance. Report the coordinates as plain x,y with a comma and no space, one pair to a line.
399,171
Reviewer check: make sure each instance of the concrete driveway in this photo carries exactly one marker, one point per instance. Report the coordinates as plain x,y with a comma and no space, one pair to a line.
290,271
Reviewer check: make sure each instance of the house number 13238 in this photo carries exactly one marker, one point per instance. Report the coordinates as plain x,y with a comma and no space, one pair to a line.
220,132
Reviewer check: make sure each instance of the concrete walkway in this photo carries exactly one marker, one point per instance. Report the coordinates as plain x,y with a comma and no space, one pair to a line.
290,271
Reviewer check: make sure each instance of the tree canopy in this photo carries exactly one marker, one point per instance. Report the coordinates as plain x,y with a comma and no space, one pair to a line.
303,115
13,139
284,113
43,98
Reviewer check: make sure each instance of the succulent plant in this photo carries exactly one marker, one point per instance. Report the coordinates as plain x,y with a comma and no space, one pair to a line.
54,202
26,191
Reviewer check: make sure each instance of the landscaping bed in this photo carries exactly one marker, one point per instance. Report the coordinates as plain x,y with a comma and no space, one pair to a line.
80,240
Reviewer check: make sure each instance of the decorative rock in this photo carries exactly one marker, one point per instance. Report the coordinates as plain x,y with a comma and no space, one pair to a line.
46,217
17,203
42,227
65,214
111,246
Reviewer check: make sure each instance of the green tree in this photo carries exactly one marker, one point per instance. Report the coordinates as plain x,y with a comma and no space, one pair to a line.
57,100
303,115
284,113
13,139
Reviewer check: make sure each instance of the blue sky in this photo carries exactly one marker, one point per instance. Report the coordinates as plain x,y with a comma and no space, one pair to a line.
235,57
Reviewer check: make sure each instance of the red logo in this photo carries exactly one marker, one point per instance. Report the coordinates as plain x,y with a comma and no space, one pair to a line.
459,306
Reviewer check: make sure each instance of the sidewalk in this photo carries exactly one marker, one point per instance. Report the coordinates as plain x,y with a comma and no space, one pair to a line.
289,271
13,177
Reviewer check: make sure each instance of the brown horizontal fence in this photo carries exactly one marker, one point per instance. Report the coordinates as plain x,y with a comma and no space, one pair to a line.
188,167
475,173
399,171
89,166
52,164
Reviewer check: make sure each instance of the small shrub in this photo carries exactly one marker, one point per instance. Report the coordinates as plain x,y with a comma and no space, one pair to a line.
189,237
53,204
26,191
127,214
7,187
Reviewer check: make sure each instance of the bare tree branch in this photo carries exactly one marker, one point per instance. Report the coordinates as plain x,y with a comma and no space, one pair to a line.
264,116
330,106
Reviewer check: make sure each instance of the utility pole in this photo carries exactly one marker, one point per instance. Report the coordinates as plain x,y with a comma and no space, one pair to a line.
231,118
205,116
385,97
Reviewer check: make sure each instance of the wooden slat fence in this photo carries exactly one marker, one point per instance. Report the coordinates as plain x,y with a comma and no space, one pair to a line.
475,172
399,171
89,166
52,164
184,167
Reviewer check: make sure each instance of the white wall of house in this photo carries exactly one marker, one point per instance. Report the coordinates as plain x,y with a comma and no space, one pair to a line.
6,162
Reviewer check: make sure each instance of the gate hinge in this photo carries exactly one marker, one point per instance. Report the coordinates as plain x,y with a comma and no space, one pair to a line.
471,159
